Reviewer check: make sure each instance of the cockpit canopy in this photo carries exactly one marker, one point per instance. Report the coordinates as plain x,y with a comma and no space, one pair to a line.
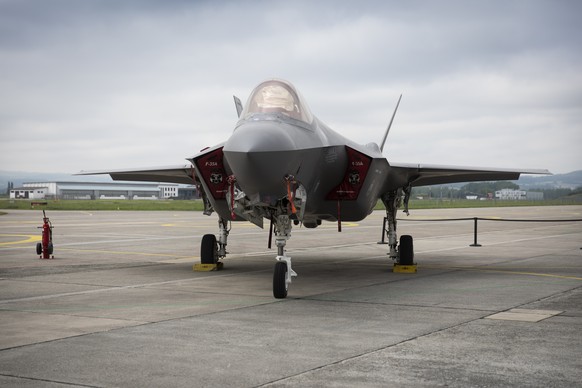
278,97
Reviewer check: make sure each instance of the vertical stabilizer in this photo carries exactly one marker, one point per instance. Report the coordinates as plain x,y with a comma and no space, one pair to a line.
389,125
238,105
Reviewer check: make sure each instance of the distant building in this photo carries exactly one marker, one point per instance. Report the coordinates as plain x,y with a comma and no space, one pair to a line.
190,192
101,190
28,193
535,196
168,191
510,195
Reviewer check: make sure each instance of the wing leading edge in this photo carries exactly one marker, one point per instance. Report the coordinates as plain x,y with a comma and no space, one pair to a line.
170,174
427,174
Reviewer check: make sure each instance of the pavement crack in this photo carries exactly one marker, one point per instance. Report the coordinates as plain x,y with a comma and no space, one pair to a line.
49,381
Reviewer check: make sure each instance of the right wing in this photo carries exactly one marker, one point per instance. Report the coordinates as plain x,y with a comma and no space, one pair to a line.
171,174
427,174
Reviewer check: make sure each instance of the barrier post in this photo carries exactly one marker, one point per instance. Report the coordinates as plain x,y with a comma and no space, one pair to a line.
475,234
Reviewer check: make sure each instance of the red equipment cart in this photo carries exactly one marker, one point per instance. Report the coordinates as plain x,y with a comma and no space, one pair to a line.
45,248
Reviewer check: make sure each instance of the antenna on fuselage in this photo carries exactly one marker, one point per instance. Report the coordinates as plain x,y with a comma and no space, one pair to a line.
390,124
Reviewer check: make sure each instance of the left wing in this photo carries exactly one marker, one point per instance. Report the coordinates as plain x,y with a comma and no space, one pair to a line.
172,174
427,174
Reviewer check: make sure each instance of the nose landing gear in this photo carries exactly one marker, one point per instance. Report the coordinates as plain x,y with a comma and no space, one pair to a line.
283,273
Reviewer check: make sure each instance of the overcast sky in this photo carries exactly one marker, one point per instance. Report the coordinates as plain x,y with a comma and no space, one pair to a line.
88,85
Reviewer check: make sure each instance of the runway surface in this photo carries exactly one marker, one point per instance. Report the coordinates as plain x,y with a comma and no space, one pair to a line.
119,305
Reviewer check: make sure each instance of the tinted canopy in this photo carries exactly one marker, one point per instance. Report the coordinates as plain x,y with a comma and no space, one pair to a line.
277,97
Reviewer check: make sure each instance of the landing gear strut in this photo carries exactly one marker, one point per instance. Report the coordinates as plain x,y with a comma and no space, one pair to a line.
283,272
403,254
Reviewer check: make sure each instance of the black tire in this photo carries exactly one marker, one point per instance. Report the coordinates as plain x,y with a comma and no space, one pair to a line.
208,249
50,248
38,248
279,278
406,250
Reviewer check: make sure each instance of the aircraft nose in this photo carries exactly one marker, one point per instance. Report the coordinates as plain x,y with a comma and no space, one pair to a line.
260,137
260,155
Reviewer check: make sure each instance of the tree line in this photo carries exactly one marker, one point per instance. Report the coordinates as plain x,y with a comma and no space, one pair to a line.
486,189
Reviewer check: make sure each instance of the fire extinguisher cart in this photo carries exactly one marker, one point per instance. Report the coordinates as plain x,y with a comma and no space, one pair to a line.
45,248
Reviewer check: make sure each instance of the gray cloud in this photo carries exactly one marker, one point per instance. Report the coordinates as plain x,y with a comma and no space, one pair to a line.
100,84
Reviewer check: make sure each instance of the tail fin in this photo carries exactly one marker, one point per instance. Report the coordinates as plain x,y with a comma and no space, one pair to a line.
390,124
238,105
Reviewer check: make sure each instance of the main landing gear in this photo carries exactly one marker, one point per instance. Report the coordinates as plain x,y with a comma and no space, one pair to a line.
403,253
211,249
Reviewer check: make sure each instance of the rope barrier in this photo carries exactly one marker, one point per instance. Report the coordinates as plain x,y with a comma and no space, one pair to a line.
475,219
491,219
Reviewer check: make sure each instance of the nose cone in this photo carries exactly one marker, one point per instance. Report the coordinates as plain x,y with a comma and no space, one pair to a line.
260,136
260,155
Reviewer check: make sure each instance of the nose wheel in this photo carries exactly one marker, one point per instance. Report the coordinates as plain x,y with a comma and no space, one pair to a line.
280,286
282,277
283,273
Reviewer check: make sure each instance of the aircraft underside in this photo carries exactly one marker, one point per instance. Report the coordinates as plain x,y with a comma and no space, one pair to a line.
289,205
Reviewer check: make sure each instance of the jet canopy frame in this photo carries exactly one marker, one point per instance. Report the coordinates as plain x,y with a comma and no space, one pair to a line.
277,97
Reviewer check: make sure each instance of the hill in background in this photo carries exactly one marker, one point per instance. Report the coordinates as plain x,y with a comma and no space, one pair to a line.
571,180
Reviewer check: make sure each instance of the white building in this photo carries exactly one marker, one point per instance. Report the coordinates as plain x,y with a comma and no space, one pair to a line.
28,193
511,195
168,191
101,190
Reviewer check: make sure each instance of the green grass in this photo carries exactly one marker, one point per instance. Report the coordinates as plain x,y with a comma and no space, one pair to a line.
196,205
466,203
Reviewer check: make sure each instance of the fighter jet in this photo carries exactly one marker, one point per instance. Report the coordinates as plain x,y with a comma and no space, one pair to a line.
284,166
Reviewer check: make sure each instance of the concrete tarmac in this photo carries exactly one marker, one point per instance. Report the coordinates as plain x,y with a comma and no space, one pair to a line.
119,305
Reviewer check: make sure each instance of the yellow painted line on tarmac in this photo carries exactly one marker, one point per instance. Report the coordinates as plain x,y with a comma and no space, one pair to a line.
194,226
334,225
180,260
549,275
28,238
24,222
511,272
174,257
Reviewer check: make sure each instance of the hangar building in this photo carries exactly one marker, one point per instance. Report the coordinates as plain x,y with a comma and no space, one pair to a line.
100,190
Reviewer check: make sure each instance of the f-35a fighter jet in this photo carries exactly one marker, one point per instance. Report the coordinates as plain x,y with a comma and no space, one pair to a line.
283,165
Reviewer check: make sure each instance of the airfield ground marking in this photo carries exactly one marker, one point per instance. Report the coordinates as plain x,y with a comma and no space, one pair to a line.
511,272
121,288
29,239
43,297
472,268
124,253
549,275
